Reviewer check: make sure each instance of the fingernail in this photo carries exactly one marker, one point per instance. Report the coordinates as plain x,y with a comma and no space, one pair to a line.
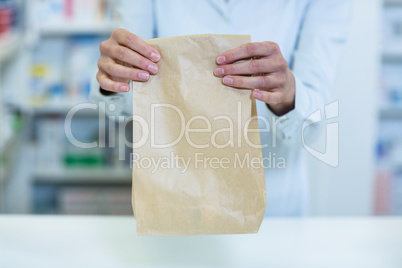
153,69
221,59
257,94
228,80
155,56
219,71
124,88
143,75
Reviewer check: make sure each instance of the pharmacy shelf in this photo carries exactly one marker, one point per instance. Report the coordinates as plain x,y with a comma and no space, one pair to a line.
62,110
391,113
109,176
6,155
54,109
9,45
392,2
76,29
9,154
392,57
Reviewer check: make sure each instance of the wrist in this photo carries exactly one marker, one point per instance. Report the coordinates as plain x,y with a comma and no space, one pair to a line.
288,103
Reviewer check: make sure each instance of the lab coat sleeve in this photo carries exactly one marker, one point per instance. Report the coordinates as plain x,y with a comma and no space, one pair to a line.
136,16
322,36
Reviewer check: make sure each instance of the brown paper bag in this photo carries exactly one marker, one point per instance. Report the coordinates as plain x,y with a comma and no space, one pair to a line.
195,170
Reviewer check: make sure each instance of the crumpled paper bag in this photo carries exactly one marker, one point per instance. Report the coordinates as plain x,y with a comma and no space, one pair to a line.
195,169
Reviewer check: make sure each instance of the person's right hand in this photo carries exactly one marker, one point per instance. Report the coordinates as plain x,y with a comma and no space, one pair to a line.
125,57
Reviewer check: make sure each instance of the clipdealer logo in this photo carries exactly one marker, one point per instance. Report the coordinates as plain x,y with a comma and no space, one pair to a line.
200,160
237,131
329,156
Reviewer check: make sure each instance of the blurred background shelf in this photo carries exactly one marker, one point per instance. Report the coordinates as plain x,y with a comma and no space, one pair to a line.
9,45
391,113
388,183
392,57
49,74
8,153
76,29
51,108
392,2
83,176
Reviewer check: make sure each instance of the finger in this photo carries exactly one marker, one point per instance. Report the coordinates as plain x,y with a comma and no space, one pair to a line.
130,40
108,84
124,54
264,82
249,50
266,65
273,97
117,70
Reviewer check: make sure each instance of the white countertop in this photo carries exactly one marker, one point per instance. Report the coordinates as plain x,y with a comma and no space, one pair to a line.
69,241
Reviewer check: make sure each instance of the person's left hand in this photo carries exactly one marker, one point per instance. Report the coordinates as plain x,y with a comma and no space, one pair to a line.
265,70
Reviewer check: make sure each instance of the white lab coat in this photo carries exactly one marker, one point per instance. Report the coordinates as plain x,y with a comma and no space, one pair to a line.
310,33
